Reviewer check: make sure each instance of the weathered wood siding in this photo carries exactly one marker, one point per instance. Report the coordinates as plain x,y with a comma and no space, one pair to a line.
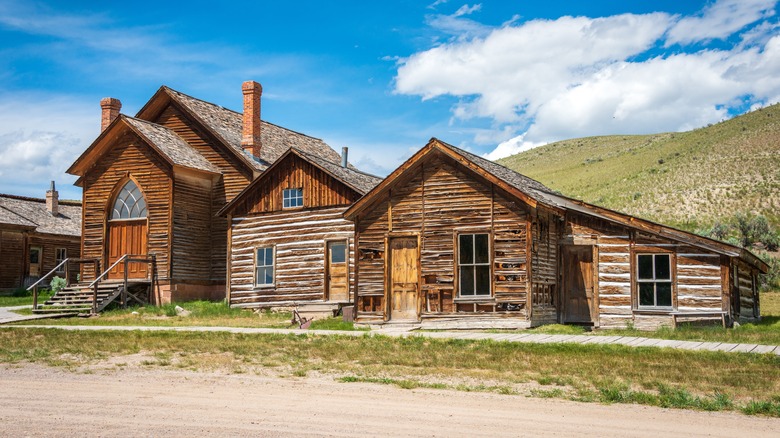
747,283
299,238
235,176
49,244
437,202
192,259
544,268
12,258
696,273
128,156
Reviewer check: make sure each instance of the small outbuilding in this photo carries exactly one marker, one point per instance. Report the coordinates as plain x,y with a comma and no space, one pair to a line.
450,239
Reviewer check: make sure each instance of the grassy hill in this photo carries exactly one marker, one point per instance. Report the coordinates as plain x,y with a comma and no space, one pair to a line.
686,179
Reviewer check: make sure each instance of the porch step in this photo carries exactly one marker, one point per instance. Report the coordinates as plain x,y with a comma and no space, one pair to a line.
317,310
79,298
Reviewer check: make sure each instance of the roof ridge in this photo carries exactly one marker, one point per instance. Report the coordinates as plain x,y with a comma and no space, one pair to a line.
71,202
351,169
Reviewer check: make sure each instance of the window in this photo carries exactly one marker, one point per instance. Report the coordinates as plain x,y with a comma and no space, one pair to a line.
338,252
264,266
473,265
60,255
130,203
654,280
292,198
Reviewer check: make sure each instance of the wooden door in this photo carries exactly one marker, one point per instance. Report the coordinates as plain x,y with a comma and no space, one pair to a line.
126,237
404,279
336,272
36,258
578,298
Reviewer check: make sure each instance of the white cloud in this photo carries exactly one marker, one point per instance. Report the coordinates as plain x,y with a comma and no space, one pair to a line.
467,10
546,80
720,20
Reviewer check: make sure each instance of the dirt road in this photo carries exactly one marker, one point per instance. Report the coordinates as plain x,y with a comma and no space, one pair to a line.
40,401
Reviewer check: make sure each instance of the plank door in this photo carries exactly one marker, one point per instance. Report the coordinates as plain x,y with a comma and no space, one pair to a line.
578,300
36,258
404,279
126,237
336,272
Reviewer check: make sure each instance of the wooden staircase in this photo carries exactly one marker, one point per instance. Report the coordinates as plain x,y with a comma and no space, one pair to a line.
79,298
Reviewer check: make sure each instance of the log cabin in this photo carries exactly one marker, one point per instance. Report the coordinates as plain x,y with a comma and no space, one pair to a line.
452,240
36,235
288,242
153,184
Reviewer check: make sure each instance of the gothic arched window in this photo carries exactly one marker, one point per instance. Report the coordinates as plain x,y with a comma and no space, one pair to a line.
130,203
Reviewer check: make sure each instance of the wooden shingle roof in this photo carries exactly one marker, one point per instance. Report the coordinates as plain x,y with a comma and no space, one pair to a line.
31,212
173,147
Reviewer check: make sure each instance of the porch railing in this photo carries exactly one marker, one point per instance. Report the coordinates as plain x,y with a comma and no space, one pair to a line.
66,264
150,259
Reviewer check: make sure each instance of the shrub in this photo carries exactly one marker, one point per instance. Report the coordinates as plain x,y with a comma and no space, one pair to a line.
57,283
770,280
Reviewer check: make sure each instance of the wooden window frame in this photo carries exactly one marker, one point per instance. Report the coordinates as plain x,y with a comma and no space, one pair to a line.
475,297
635,281
57,259
272,265
290,191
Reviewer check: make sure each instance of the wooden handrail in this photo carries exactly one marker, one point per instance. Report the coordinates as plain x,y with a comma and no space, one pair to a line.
126,259
34,286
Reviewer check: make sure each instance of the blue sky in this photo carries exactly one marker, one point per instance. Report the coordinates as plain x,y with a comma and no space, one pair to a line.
494,77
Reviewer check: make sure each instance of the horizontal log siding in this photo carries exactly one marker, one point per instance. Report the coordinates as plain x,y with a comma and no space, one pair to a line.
12,259
436,202
191,247
128,156
319,188
697,280
235,177
49,244
299,239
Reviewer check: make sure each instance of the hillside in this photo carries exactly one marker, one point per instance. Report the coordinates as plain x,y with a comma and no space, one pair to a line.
687,179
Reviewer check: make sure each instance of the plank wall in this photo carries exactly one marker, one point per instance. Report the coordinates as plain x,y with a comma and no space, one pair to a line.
12,258
299,238
128,156
49,244
191,248
544,268
436,201
747,282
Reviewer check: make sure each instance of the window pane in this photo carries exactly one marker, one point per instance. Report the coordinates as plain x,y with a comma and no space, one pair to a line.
646,293
663,294
483,280
260,257
269,256
467,280
338,252
662,271
645,266
269,275
481,253
466,248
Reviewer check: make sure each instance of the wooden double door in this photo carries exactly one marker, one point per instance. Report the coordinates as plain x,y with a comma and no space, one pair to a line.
579,303
127,237
404,279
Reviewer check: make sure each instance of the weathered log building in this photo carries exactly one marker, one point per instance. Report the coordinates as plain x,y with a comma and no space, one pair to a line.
450,239
288,241
153,184
35,236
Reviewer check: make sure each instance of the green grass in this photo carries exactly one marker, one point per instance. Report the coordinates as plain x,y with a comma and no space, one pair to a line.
688,179
336,323
23,298
604,373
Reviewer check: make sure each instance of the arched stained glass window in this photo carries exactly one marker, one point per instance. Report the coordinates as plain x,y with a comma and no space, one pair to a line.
130,204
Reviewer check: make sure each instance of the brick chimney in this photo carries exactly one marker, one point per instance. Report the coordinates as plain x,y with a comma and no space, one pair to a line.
250,138
110,110
52,200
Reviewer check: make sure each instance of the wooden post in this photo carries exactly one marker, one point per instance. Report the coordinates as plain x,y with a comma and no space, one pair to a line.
94,298
124,287
35,297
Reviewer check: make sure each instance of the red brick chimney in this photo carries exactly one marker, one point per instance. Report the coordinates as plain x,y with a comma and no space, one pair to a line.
250,138
110,110
52,200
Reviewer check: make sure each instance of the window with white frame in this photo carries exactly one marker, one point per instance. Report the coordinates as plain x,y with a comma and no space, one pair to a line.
292,198
654,280
473,265
264,266
60,254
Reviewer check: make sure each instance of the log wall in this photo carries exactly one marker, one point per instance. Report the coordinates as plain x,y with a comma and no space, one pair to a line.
299,238
746,280
129,156
12,258
437,201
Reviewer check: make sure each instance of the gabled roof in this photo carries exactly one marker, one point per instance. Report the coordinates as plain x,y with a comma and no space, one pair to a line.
358,181
227,126
32,213
533,192
170,146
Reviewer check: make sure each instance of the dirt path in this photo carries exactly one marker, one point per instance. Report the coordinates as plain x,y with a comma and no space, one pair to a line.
40,401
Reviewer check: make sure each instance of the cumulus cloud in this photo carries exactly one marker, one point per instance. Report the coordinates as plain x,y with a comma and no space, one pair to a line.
546,80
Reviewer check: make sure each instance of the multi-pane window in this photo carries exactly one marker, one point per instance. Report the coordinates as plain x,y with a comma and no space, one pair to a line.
60,254
130,203
654,280
264,266
473,265
292,198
